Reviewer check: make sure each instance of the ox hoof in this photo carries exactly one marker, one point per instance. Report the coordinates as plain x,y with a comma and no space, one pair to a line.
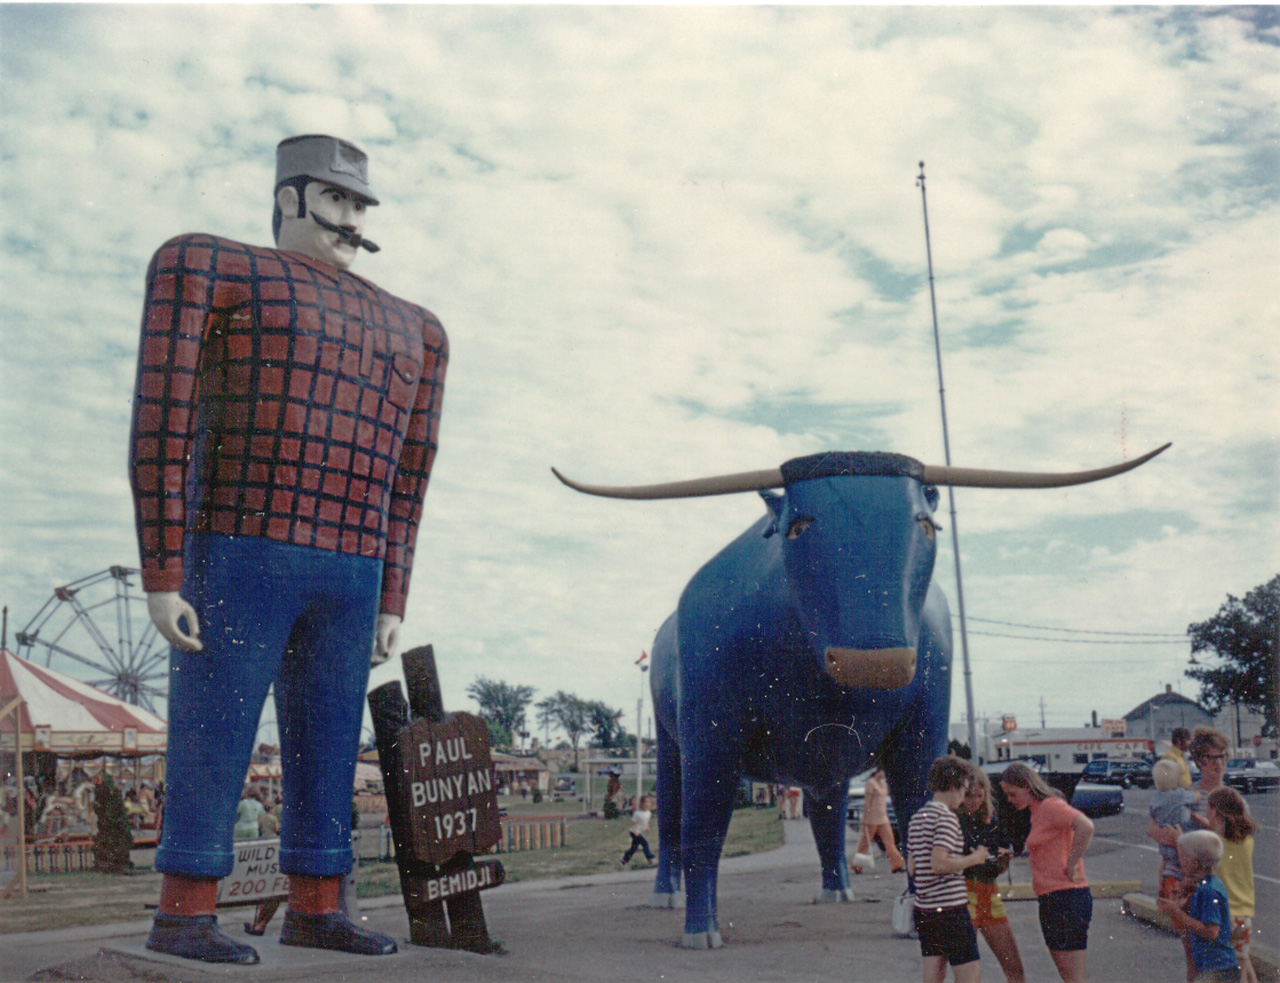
662,900
702,940
830,897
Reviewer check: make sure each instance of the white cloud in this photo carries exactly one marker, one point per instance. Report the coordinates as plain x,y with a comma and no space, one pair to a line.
679,241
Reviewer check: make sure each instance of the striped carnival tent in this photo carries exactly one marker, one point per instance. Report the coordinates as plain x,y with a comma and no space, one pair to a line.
56,714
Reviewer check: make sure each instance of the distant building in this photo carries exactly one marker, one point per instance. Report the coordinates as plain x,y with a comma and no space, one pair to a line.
1156,718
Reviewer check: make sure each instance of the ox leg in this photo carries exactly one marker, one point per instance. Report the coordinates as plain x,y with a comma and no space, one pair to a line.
921,736
828,814
666,884
708,807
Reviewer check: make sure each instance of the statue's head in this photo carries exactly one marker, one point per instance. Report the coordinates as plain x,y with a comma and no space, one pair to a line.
322,193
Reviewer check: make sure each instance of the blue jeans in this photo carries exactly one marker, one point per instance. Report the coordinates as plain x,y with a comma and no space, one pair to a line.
304,619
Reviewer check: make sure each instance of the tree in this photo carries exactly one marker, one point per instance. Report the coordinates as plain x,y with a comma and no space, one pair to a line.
114,839
1243,634
501,703
567,712
604,720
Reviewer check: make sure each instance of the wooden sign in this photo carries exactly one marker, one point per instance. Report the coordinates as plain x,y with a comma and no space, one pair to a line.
476,877
448,789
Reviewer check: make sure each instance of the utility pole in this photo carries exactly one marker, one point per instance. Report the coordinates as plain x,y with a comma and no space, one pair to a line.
951,495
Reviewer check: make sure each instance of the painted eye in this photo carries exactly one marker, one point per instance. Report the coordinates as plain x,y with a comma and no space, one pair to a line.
927,524
798,525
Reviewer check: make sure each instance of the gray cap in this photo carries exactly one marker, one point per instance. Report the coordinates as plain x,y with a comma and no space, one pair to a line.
326,159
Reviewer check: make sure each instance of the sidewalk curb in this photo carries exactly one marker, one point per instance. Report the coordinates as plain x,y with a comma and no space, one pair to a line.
1099,889
1143,908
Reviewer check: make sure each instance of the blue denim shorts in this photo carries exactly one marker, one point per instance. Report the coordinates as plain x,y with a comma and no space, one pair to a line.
1064,919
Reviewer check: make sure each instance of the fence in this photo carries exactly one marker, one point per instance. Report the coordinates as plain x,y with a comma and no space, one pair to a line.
531,833
62,857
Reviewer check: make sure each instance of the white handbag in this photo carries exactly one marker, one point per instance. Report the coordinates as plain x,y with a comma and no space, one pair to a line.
904,915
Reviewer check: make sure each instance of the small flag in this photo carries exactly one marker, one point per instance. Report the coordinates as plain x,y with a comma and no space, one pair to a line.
643,661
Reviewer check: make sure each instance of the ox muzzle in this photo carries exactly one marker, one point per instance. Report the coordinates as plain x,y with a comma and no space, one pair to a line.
871,668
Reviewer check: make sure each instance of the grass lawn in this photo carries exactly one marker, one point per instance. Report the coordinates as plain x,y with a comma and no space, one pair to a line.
594,846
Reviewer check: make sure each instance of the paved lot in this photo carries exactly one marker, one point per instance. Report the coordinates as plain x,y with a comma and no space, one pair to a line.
597,928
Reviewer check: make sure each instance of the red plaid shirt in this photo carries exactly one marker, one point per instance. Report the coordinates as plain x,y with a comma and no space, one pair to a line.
279,396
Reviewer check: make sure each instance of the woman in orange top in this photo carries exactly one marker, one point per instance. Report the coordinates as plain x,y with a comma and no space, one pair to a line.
1059,837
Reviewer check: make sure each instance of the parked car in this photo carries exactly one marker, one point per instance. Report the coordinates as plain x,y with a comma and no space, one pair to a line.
1096,801
1124,773
1087,795
564,788
1248,775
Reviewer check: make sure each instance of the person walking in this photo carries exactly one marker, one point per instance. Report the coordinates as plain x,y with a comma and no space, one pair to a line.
639,826
1059,837
875,822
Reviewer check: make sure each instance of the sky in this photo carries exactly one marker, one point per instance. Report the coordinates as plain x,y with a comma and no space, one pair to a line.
670,242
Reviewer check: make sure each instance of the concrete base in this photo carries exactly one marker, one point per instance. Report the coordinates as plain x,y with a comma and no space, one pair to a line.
278,961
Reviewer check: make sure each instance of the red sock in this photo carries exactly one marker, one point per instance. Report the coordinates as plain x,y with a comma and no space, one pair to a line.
313,895
188,895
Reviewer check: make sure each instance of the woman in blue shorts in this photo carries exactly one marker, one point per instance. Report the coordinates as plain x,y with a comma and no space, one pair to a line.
1059,837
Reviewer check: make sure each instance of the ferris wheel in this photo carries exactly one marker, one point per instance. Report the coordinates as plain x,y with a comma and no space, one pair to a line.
97,630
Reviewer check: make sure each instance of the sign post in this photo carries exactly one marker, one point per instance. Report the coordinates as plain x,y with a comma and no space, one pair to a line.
442,806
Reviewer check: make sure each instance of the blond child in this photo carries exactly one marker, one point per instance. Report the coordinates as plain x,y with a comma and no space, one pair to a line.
1230,819
1207,918
1170,806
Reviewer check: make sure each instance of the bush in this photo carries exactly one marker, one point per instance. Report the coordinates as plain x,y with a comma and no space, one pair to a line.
537,795
114,838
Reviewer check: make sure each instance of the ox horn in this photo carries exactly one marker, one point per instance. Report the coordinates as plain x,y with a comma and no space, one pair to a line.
747,481
979,478
724,484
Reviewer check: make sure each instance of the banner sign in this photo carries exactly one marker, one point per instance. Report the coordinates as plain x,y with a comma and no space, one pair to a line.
256,874
449,791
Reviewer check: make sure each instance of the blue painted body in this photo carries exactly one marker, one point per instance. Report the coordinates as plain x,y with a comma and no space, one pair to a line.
739,684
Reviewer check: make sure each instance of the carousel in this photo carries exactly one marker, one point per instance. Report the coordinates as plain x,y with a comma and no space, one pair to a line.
58,737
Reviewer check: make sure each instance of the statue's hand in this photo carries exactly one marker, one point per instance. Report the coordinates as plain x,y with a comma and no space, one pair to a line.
386,638
168,610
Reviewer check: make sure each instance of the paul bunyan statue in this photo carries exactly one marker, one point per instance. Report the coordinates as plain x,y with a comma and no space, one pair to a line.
285,421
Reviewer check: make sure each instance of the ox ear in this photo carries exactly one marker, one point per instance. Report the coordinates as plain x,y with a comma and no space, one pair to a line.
774,503
931,496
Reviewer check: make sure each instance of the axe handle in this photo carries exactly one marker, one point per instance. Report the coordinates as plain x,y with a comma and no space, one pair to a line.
423,683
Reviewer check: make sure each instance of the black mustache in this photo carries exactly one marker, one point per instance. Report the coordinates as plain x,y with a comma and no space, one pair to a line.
352,238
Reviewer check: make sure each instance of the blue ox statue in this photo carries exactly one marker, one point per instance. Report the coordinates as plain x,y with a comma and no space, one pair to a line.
812,642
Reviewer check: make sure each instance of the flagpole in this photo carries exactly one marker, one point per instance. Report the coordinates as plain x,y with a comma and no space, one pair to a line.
951,496
643,663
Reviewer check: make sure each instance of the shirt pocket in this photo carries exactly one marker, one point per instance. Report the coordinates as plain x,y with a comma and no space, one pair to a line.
403,385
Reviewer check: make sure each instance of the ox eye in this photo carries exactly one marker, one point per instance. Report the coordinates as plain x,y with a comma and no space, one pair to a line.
927,524
798,525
